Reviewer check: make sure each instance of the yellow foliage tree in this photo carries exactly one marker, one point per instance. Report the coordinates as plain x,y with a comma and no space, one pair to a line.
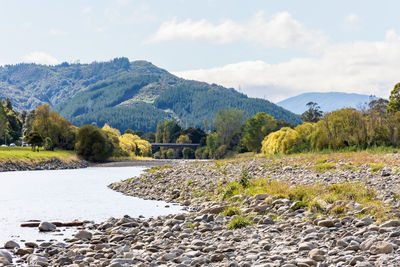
284,141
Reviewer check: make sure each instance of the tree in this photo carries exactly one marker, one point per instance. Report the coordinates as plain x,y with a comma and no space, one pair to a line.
394,100
183,139
313,114
227,122
256,128
3,121
93,144
34,139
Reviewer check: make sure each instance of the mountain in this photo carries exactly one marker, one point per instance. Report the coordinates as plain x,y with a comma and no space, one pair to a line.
327,101
125,94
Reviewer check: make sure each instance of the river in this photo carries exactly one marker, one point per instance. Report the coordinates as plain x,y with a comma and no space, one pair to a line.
67,195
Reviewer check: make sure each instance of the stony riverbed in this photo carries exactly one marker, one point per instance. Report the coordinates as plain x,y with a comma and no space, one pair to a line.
201,237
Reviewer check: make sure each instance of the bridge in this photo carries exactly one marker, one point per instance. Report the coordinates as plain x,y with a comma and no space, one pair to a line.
174,145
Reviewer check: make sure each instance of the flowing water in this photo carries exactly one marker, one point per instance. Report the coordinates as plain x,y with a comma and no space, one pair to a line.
67,195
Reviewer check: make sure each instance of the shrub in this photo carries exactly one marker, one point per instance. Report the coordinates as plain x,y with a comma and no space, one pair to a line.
188,153
93,144
284,141
221,151
244,179
170,153
48,144
230,211
239,222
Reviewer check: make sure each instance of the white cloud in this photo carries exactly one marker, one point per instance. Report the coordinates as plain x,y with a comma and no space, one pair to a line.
57,32
352,22
40,58
360,67
280,30
87,10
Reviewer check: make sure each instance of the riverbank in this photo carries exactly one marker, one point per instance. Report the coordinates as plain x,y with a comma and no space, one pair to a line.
24,159
248,212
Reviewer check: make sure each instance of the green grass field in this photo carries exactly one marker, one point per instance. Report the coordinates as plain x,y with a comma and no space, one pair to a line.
26,153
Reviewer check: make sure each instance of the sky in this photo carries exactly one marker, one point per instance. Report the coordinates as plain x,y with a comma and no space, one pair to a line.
264,48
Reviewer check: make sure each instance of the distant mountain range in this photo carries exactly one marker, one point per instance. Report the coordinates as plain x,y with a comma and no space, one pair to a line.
125,94
327,101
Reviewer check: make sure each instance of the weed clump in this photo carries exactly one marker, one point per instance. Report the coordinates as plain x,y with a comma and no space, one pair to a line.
239,222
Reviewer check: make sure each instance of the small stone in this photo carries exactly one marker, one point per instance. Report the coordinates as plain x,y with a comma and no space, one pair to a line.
4,254
11,245
84,235
326,223
381,247
47,227
317,254
391,223
217,257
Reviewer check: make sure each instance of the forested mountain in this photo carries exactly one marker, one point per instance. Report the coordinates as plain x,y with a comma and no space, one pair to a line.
125,94
327,101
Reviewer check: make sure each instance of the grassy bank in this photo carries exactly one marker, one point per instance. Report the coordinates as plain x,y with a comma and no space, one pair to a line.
26,154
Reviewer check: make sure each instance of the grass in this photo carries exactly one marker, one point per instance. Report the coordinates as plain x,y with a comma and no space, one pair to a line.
239,222
26,154
314,197
128,158
159,168
323,167
230,211
375,167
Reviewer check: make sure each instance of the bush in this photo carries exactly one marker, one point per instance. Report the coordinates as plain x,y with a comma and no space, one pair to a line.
48,144
221,151
239,222
188,153
93,144
170,153
284,141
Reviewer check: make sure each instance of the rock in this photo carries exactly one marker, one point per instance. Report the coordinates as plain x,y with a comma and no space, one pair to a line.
84,235
317,254
11,244
356,259
217,257
38,260
391,223
6,255
261,196
366,245
24,251
31,245
47,227
326,223
381,247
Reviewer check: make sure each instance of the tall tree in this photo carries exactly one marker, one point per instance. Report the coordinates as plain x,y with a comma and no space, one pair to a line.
256,128
227,122
3,122
394,100
313,113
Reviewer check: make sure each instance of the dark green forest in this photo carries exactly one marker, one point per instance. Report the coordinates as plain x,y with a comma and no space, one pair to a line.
125,94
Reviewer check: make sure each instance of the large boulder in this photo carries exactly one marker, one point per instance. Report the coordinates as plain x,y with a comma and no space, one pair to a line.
85,235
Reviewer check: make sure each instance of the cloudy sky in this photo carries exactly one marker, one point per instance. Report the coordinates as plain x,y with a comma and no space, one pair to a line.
264,48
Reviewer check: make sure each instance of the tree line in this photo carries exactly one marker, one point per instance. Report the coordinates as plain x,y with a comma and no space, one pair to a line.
374,125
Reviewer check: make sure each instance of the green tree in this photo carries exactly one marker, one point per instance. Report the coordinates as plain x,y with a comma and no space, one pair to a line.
313,113
227,123
256,128
3,122
93,144
394,100
34,139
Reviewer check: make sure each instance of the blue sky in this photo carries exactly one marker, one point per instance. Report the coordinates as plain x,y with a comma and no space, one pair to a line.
271,49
